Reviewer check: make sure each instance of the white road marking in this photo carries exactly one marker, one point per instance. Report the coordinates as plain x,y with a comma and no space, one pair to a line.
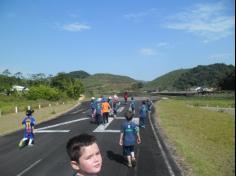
51,131
120,109
63,123
77,111
102,128
28,168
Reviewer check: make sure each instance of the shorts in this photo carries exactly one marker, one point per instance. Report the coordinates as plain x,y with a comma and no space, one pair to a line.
127,150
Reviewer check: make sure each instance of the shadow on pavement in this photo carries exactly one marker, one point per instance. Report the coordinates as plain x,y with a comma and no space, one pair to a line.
116,157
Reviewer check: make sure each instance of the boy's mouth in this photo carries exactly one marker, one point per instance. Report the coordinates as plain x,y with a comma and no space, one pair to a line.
98,165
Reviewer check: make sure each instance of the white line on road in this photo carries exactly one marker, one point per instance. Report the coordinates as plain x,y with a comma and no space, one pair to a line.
102,128
77,111
51,131
120,109
28,168
60,124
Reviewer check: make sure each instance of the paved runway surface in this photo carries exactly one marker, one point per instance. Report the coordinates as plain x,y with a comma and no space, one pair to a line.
48,156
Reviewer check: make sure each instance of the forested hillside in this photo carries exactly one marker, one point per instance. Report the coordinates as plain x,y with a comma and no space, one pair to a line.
108,83
219,76
165,82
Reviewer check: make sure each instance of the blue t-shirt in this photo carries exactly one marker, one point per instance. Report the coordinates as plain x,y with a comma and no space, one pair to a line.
143,111
98,108
129,129
132,104
29,123
92,104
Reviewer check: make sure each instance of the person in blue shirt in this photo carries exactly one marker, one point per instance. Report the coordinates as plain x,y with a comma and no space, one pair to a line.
110,101
128,137
116,104
132,105
143,114
98,111
149,105
93,108
29,123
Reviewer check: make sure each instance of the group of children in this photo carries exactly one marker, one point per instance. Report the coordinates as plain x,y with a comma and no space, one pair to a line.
102,108
83,150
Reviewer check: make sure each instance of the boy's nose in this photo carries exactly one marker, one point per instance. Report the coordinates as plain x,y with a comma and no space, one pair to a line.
97,158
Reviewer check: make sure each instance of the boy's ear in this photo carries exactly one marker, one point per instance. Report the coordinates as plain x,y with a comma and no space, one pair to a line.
74,165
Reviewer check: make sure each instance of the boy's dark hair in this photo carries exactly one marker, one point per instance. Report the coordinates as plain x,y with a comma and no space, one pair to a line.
29,112
75,144
128,115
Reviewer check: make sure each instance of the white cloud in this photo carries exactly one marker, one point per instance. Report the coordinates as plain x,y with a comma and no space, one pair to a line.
208,21
147,51
162,44
138,15
75,27
222,57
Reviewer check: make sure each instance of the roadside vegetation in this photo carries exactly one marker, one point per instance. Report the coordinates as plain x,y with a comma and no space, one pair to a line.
202,141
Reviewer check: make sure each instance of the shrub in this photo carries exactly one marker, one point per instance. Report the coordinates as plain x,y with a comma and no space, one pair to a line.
43,92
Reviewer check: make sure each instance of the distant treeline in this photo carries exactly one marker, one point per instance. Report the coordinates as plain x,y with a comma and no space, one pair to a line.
41,86
72,84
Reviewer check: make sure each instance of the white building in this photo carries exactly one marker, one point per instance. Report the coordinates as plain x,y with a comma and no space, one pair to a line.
19,88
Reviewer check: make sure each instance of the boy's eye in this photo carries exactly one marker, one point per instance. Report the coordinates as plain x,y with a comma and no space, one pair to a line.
98,153
88,157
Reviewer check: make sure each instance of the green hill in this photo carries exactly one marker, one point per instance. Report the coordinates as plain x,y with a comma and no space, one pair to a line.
165,82
107,83
217,75
79,74
206,76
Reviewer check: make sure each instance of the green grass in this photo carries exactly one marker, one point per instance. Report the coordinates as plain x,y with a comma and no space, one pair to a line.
205,139
8,103
218,100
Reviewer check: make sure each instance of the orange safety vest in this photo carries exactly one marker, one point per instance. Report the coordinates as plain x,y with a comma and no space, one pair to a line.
105,107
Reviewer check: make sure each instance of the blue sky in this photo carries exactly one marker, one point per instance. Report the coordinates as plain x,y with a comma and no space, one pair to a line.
141,39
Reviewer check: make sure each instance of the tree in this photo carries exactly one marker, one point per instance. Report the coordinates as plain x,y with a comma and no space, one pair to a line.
6,73
18,75
65,83
228,82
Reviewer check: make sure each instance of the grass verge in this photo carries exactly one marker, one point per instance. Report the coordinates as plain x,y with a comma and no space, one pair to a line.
204,141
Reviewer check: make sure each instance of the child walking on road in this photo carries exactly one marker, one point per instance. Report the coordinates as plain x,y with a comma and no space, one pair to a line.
85,155
105,110
132,105
29,123
143,115
128,137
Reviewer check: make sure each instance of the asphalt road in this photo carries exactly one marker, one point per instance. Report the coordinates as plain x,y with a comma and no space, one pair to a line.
48,156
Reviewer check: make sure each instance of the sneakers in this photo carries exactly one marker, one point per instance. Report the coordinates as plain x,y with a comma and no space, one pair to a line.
129,164
133,161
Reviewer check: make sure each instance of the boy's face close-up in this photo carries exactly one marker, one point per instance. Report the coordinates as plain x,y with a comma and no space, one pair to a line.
90,161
